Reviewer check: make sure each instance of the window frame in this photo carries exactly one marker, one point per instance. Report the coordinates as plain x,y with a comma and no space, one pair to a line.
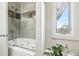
72,23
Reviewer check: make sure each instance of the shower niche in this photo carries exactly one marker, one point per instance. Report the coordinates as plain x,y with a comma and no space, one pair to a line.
22,24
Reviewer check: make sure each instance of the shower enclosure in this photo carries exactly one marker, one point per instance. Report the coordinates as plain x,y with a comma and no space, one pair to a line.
21,28
22,24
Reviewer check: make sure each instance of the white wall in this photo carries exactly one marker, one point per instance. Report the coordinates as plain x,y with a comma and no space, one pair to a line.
72,44
3,29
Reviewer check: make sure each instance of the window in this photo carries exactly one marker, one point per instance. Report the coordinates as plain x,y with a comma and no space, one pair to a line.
63,18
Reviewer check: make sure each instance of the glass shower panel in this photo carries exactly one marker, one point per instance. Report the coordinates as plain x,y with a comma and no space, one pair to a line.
13,21
21,24
28,25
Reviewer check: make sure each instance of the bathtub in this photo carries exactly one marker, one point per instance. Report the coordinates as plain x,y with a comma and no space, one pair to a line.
17,51
22,47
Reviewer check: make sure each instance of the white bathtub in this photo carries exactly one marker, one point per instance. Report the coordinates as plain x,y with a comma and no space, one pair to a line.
17,51
24,42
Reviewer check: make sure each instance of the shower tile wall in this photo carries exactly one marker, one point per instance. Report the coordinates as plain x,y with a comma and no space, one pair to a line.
14,28
27,24
27,28
13,22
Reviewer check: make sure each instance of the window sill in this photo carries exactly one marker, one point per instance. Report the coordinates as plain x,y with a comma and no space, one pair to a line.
68,37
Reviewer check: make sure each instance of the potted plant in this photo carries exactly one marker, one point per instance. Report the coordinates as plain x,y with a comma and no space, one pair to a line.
55,50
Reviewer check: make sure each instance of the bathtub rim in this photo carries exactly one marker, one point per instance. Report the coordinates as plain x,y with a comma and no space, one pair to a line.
22,50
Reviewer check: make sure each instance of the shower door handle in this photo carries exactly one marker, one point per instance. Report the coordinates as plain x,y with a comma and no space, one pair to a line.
4,35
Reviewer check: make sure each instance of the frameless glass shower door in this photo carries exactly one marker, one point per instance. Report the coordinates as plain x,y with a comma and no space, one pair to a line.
22,24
